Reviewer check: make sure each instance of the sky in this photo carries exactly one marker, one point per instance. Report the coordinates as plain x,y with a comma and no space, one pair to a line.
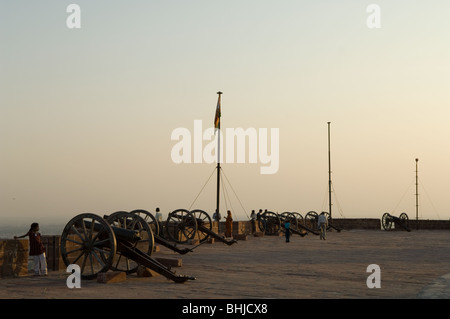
87,113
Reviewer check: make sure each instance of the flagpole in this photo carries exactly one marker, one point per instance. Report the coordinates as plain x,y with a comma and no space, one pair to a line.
218,166
329,171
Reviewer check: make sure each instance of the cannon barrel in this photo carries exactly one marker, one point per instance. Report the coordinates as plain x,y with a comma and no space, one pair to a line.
120,233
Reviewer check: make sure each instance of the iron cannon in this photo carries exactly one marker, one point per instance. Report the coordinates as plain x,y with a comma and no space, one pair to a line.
121,241
402,221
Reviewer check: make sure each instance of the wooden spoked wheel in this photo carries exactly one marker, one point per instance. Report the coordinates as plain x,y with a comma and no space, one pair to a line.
404,219
311,219
270,223
150,219
145,244
386,221
203,219
181,226
291,218
299,218
89,242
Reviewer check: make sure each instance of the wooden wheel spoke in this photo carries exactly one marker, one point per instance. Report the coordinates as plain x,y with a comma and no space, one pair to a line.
78,233
83,265
74,250
101,262
92,263
74,241
84,229
79,256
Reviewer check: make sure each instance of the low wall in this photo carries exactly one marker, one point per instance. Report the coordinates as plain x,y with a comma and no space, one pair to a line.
357,223
52,246
429,224
245,227
13,258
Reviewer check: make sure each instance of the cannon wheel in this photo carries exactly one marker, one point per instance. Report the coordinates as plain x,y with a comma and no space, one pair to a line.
270,223
150,219
404,220
299,218
92,250
288,216
386,221
203,219
311,219
146,243
181,226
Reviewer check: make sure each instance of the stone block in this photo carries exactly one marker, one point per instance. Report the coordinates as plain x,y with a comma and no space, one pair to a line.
146,272
13,258
111,277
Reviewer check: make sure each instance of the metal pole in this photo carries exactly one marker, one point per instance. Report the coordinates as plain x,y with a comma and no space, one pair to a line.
417,189
329,170
218,168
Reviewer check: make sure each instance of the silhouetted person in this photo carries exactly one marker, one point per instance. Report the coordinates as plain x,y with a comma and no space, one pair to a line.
37,250
322,223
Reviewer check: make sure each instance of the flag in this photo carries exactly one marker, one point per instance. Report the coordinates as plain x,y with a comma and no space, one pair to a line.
218,113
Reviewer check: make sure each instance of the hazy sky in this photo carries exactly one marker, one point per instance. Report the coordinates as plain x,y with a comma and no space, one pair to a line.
87,114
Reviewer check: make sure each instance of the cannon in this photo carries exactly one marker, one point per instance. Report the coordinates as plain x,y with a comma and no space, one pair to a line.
269,223
312,218
99,244
183,225
296,221
387,220
157,231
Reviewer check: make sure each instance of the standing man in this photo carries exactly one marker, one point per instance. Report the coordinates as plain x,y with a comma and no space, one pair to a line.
322,223
253,220
217,217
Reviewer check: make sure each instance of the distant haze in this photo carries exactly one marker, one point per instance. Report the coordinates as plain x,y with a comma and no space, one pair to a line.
87,114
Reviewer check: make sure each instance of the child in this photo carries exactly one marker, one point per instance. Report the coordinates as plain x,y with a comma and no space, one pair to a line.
287,228
37,250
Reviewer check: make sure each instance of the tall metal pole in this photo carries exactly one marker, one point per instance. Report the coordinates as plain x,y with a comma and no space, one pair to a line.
417,189
218,163
329,170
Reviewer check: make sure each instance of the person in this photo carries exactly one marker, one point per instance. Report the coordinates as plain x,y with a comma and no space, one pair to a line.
158,215
37,250
322,223
287,228
217,217
229,225
253,220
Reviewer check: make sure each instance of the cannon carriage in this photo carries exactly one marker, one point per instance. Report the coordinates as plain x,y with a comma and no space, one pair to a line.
402,221
121,241
296,221
312,218
269,223
183,225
